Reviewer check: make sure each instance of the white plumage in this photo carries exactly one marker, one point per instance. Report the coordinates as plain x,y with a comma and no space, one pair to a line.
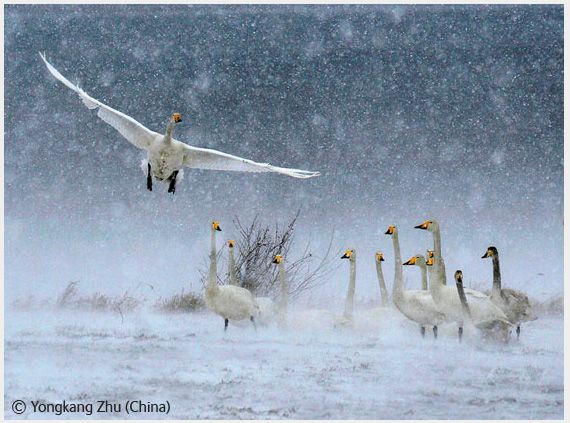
167,156
416,305
230,302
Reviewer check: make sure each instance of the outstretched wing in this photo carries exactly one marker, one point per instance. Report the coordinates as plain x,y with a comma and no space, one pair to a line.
205,158
133,131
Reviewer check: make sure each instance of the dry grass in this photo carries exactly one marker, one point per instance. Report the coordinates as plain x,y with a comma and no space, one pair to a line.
185,302
71,298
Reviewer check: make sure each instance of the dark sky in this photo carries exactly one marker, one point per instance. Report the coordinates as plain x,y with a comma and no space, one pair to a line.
409,112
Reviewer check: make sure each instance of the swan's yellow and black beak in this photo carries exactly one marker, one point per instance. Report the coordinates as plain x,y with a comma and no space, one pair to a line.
177,117
379,256
429,261
430,253
459,276
390,230
410,261
347,254
231,243
277,259
488,253
424,225
216,226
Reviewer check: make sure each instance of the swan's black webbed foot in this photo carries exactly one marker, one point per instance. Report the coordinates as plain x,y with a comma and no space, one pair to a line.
226,321
460,333
172,179
149,179
423,331
518,331
435,332
253,321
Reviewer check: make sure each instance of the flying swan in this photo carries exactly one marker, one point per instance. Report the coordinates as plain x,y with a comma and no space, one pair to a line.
167,156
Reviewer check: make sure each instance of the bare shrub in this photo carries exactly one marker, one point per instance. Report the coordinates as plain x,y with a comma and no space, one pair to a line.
256,246
181,303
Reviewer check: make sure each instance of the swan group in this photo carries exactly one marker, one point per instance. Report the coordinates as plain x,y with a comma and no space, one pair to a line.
434,304
167,156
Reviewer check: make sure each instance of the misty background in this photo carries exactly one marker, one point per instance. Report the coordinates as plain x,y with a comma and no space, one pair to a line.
410,113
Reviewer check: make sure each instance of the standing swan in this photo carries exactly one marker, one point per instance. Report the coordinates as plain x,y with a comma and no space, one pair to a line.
420,306
438,262
515,304
228,301
379,258
416,305
284,299
167,156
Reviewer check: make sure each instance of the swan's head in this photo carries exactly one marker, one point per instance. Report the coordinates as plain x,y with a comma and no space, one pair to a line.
417,260
277,259
430,254
231,243
458,276
176,117
491,252
428,225
216,226
379,256
391,230
429,261
348,254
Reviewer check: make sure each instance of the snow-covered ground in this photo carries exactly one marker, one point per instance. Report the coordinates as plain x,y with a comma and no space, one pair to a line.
379,369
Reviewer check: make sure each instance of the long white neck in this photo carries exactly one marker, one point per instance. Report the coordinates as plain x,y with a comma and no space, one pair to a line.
438,263
169,129
349,304
437,242
397,289
232,267
383,290
284,300
424,276
212,283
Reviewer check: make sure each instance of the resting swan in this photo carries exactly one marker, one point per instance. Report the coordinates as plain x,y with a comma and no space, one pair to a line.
515,304
416,305
230,302
497,326
267,308
379,258
438,262
167,156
